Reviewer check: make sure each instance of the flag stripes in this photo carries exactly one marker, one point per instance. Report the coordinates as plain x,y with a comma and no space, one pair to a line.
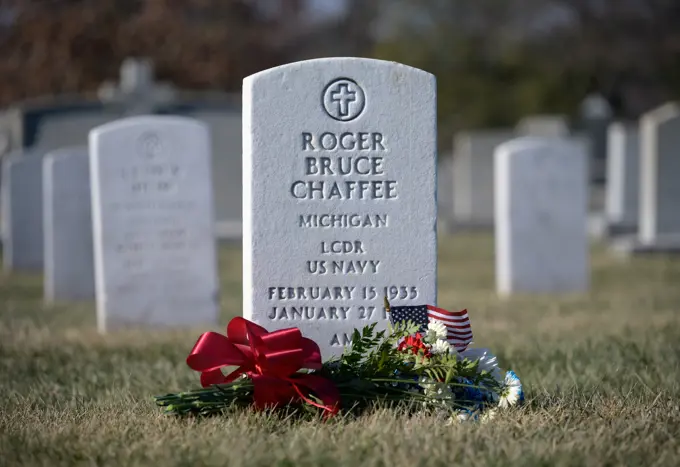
457,323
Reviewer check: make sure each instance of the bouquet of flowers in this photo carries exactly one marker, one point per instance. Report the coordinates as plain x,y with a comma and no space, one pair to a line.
421,361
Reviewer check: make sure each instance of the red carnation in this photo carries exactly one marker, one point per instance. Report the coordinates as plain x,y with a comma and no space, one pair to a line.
414,344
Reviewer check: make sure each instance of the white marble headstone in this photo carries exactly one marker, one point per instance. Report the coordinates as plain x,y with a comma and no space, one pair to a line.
623,175
541,209
22,212
67,220
152,208
339,171
659,174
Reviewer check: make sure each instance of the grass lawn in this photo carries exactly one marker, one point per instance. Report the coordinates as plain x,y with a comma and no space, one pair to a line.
602,375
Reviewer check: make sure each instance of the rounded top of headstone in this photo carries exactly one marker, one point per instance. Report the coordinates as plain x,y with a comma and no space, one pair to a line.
667,111
343,90
148,120
69,151
149,137
336,63
534,142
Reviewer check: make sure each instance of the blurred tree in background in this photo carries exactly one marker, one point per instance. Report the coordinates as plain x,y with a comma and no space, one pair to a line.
62,46
498,60
495,60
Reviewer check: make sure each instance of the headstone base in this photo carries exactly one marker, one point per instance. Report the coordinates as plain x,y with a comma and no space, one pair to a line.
632,246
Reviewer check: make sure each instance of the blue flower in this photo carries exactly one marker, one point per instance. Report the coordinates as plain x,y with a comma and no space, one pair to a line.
469,393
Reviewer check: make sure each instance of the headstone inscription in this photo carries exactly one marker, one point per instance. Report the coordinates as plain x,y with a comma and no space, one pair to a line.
22,211
541,209
152,210
67,221
339,170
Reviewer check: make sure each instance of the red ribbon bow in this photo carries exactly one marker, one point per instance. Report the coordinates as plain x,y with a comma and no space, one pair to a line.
270,359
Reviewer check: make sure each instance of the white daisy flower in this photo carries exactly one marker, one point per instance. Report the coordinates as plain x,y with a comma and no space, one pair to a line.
440,347
436,330
487,361
512,391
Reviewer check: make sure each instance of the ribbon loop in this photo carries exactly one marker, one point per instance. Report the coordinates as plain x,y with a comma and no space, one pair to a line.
271,359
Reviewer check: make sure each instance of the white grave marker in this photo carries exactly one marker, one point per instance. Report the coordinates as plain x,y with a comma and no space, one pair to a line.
541,209
659,174
659,215
22,212
67,221
623,175
339,171
152,209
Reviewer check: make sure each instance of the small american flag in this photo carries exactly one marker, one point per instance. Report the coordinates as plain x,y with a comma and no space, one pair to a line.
457,323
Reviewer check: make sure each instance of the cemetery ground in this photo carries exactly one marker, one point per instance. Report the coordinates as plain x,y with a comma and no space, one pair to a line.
601,372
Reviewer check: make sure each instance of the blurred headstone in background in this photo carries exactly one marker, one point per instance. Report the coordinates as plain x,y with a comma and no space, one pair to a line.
558,126
596,115
541,200
64,121
140,94
153,226
473,179
21,201
67,226
659,203
623,177
53,122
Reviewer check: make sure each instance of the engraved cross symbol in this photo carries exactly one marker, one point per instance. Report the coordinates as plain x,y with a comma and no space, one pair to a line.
343,97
